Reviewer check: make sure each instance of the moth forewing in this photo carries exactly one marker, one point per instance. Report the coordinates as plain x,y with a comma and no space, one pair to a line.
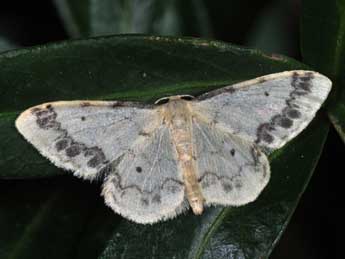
83,136
269,110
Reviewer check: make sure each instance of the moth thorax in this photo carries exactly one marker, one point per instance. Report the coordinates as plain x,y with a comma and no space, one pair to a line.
182,139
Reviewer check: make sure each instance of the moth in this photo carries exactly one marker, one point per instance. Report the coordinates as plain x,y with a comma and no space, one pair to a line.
157,160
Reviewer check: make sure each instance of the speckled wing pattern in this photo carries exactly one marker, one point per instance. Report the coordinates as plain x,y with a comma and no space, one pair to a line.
269,110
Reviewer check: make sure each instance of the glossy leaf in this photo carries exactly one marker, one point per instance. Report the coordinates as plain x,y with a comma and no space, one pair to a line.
170,17
323,47
51,219
143,69
133,67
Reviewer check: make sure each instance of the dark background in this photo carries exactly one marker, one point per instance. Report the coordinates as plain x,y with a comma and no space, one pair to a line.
311,231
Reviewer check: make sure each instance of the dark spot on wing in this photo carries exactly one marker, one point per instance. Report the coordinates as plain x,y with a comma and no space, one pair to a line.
61,144
238,184
73,151
42,122
94,162
117,104
305,86
293,113
263,133
232,152
46,118
227,187
302,84
281,121
144,202
304,78
97,155
267,94
93,151
230,89
285,123
138,169
307,77
267,137
156,198
82,118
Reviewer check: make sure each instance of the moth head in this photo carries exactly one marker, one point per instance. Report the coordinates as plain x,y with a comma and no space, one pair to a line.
165,100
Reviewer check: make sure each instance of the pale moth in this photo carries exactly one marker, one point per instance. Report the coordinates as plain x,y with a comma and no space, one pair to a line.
157,160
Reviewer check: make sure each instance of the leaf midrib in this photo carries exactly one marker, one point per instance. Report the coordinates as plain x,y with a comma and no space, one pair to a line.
213,227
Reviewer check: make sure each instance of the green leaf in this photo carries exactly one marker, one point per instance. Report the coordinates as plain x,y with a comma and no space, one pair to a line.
18,159
170,17
323,47
51,219
138,68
